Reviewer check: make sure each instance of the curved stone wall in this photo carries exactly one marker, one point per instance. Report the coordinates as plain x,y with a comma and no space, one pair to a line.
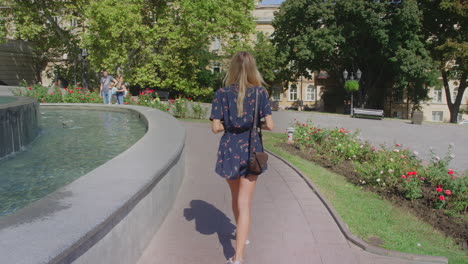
18,124
110,214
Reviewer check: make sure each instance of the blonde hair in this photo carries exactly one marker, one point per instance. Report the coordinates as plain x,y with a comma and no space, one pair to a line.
243,71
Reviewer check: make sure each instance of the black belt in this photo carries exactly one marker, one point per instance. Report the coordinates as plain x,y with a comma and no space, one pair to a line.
237,130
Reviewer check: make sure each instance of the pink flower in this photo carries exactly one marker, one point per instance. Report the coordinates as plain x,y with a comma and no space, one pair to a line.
450,172
403,176
448,192
439,189
453,177
441,197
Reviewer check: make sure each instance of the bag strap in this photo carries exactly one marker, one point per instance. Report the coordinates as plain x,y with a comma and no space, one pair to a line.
254,126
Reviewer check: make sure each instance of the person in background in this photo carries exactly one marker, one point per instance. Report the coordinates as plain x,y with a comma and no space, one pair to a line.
104,91
121,91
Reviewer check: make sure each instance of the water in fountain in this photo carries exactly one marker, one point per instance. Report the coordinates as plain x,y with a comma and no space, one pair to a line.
18,123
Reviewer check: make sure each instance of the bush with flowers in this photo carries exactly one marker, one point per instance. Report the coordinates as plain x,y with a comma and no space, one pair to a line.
180,106
72,94
393,169
149,98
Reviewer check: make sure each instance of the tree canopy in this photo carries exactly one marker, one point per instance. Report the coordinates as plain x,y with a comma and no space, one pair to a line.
153,42
445,28
382,39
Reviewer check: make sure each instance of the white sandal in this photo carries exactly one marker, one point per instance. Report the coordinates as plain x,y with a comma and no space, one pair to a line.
230,261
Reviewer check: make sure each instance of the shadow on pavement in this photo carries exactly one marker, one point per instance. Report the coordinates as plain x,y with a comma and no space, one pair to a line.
209,220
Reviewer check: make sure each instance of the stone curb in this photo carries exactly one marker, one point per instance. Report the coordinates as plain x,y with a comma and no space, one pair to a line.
350,236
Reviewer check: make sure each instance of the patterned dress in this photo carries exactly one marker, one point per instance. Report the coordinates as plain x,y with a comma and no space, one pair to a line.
233,152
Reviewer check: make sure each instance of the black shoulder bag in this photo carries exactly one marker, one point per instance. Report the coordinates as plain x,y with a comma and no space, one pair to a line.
258,160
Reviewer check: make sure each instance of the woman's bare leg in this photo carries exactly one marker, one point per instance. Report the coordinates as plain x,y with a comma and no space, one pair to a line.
246,188
234,186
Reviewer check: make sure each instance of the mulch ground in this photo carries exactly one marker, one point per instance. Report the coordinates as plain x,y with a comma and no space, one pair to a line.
454,227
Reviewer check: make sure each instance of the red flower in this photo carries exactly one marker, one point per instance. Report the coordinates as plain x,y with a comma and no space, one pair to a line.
439,189
397,145
403,176
450,172
441,197
92,99
126,103
167,109
30,88
439,186
448,192
82,99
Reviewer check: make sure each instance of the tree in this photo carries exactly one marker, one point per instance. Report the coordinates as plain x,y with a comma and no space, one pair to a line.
163,44
40,22
382,39
445,28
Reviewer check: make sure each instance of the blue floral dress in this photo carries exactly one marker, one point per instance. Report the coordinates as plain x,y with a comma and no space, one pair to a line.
233,151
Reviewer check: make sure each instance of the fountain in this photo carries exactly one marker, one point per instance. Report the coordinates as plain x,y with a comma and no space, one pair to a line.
19,118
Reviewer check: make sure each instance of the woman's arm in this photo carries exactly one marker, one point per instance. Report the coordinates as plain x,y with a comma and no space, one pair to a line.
268,123
122,88
217,126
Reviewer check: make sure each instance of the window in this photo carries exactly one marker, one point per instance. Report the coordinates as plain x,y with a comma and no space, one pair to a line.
293,92
437,96
216,44
276,93
216,67
437,116
454,93
310,95
73,22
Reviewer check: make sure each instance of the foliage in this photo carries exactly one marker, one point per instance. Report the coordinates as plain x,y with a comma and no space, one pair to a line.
198,111
68,95
351,86
150,99
383,39
397,170
161,44
47,25
180,107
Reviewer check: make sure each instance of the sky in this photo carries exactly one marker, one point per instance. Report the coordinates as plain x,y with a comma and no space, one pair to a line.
272,2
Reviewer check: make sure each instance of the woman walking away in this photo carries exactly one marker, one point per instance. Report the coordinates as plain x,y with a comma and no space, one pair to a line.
233,113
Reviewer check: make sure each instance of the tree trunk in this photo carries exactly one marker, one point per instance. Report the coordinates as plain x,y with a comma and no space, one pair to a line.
454,108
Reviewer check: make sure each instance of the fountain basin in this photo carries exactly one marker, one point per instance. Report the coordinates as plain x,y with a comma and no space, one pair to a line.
19,117
110,214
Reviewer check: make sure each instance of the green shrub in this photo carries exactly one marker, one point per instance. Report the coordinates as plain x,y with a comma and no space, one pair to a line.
198,111
351,86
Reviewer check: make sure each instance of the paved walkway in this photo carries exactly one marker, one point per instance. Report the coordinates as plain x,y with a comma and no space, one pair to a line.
289,222
390,131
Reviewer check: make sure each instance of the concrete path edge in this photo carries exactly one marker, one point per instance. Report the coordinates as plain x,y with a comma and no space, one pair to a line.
350,236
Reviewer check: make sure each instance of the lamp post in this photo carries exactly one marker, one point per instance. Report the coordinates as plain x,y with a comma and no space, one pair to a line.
83,55
351,78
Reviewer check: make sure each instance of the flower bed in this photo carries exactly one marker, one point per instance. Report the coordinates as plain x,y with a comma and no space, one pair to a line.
434,191
178,107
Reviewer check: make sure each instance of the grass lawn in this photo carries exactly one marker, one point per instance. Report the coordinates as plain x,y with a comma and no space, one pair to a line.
367,215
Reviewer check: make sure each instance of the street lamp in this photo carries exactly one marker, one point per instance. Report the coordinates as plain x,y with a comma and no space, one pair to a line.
83,55
358,77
